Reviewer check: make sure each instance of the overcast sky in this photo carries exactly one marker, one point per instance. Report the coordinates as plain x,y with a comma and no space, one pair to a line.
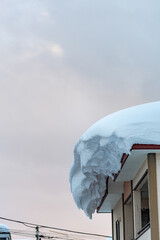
64,65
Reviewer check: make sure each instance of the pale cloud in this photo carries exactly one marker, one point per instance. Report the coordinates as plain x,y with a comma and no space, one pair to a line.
29,54
56,50
37,49
45,14
44,47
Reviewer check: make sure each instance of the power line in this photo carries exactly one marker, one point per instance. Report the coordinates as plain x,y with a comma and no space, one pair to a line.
48,227
47,235
58,235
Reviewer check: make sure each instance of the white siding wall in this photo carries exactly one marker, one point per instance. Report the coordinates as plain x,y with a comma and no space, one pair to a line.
118,215
137,212
136,199
140,173
146,235
158,184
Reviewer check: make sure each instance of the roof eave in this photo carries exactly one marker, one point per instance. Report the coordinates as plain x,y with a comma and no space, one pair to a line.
123,161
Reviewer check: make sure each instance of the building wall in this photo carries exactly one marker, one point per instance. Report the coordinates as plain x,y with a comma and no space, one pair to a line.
136,199
126,189
118,210
158,184
140,173
118,216
128,221
146,235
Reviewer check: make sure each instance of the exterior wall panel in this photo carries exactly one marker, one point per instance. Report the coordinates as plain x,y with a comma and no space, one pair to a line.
153,196
127,189
118,216
137,212
158,184
140,173
146,235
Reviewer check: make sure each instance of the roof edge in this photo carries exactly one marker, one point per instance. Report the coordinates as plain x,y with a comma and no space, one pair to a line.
123,160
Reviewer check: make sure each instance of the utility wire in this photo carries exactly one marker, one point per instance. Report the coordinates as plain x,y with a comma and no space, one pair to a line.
57,235
43,226
48,236
44,235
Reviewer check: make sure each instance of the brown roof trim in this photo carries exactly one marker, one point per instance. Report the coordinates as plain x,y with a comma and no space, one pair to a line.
105,195
145,146
123,160
135,147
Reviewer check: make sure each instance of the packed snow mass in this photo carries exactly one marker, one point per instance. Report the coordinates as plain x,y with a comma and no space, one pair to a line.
4,229
98,152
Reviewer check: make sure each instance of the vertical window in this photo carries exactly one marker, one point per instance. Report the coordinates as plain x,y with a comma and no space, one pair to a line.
118,230
141,205
144,205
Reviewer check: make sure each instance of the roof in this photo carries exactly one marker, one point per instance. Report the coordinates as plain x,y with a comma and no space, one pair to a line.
98,153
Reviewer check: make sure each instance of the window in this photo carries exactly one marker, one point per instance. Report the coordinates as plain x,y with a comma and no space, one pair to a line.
144,205
141,205
118,230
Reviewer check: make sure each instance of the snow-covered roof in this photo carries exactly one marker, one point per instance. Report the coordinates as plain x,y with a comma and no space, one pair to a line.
4,229
98,152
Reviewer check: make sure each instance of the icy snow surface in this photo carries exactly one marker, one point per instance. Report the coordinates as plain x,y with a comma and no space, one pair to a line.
98,152
4,228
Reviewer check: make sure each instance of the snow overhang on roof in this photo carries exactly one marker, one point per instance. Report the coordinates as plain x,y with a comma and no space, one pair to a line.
98,153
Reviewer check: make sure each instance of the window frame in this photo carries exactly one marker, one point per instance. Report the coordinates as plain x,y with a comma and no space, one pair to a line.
118,230
137,188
